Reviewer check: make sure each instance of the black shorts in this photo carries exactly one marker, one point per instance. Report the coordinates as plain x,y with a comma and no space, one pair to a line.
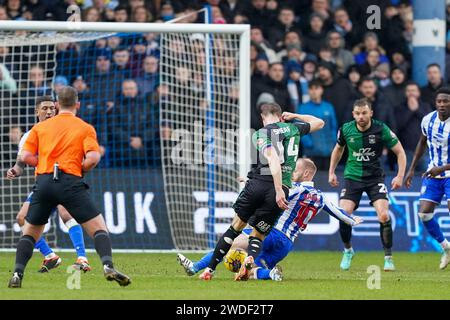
257,205
375,189
69,191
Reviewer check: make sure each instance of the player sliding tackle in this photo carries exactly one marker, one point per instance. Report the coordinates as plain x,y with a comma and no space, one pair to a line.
263,198
46,109
436,180
305,202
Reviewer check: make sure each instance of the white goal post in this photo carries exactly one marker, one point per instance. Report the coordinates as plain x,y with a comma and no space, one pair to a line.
234,40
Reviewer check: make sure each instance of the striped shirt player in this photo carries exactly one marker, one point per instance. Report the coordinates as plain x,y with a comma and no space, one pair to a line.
305,202
435,128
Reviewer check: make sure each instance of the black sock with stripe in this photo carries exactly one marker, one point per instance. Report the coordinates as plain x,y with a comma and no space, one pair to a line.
386,237
103,246
24,252
254,247
222,247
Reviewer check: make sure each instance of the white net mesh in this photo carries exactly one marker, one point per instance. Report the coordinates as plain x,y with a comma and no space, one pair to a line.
26,72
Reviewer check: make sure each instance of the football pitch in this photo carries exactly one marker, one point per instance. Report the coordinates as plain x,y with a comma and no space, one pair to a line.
307,275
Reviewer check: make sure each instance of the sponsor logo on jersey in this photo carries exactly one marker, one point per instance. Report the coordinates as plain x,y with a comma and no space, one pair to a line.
364,154
351,140
260,142
372,139
281,130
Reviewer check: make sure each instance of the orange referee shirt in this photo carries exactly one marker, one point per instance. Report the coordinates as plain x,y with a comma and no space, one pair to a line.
64,139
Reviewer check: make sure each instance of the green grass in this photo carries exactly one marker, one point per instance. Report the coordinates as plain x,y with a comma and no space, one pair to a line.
307,275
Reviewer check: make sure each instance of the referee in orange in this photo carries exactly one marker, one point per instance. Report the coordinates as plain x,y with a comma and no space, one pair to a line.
67,146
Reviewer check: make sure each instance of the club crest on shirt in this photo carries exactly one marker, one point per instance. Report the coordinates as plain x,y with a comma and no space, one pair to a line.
372,139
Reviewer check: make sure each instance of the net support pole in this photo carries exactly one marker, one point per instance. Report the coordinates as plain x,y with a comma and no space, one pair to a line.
244,137
210,123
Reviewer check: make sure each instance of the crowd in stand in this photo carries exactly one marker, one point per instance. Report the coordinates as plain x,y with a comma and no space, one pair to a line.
310,56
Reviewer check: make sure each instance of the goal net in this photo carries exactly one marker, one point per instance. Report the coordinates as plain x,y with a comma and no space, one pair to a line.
170,106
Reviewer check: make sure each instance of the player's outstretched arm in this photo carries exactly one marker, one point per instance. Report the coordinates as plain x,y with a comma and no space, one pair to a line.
397,182
275,169
314,122
340,213
28,158
16,170
336,156
418,153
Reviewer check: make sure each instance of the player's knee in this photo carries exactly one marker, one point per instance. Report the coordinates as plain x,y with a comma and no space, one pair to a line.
64,214
383,218
426,216
238,224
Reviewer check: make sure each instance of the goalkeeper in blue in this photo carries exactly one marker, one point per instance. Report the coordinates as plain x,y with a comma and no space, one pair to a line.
305,202
45,109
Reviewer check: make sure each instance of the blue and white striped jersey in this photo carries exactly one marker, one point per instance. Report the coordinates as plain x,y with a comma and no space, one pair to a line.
438,140
305,202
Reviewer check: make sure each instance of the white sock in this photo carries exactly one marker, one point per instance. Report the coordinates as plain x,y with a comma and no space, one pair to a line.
444,244
348,250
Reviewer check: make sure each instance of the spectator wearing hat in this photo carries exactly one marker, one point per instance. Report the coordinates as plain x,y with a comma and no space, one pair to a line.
315,37
284,24
382,75
435,81
297,85
102,81
321,143
289,38
66,53
295,53
395,92
336,90
59,82
341,56
261,67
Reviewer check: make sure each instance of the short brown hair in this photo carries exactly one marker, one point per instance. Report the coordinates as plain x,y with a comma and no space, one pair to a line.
270,108
362,103
67,97
41,99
